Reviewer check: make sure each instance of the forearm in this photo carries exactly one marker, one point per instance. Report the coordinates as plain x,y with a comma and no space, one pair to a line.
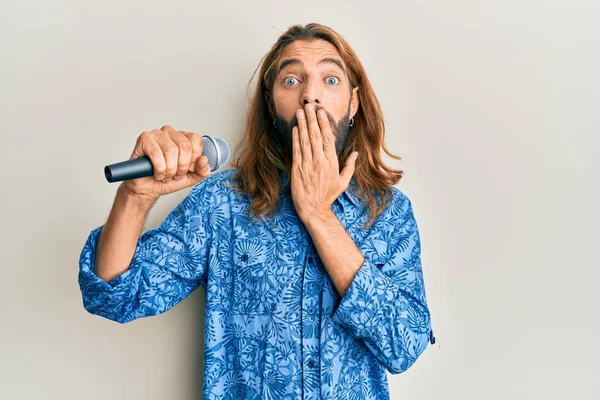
119,236
337,250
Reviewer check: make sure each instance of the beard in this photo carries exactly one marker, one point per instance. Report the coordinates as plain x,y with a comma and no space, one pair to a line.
340,131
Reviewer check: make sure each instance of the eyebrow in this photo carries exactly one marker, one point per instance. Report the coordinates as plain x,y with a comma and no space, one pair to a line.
294,61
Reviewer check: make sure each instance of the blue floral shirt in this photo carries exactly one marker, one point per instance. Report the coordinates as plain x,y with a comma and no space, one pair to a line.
276,327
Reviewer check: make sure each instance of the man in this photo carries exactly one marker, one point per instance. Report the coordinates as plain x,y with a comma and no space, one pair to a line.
311,271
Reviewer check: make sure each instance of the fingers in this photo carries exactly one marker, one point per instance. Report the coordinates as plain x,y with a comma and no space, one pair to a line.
327,135
147,145
296,152
173,153
348,170
199,163
202,168
314,133
196,141
304,140
170,151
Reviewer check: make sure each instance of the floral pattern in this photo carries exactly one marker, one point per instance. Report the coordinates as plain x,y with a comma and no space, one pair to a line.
275,326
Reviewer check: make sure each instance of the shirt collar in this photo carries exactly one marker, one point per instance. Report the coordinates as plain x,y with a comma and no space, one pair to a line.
347,194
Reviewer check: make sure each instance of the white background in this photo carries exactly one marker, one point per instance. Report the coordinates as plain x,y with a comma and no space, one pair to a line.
493,106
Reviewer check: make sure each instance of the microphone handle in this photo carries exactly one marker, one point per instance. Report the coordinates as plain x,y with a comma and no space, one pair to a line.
214,148
131,169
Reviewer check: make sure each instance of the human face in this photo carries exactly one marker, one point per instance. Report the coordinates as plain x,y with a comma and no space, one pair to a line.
340,130
311,79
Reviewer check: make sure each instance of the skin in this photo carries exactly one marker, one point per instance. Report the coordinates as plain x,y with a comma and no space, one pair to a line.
325,86
312,158
316,141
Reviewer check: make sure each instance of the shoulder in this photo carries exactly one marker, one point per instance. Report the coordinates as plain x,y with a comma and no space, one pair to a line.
398,196
216,180
400,205
218,184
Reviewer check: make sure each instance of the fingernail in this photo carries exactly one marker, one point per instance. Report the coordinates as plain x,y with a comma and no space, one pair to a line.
301,114
309,108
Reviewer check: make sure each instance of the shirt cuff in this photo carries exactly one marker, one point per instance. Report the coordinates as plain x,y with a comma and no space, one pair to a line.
88,279
369,287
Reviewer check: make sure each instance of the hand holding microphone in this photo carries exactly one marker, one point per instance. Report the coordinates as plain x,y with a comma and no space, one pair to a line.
165,160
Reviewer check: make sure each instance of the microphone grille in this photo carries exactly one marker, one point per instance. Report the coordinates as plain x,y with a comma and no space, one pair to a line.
216,150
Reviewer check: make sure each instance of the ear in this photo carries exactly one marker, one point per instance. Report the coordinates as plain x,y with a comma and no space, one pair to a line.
268,101
354,103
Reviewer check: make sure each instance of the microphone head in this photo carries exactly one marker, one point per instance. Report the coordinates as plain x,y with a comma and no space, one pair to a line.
216,150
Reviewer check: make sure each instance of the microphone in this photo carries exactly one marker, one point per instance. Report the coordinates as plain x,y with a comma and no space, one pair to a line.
213,147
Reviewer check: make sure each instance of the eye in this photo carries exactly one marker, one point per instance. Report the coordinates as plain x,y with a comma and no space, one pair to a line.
334,77
288,79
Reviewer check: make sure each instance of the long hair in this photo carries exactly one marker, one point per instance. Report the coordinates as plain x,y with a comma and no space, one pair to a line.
259,156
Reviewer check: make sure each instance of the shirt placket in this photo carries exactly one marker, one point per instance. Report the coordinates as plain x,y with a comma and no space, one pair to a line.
310,342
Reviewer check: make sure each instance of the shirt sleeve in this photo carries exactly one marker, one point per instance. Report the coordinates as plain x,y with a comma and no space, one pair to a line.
386,305
169,263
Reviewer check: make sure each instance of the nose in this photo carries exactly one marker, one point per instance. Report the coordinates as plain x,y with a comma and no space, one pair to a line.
311,94
308,100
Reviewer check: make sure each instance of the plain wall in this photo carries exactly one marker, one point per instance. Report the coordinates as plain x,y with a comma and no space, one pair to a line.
492,105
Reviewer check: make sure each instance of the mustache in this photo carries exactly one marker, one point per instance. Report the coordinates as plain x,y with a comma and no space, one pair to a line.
282,134
332,123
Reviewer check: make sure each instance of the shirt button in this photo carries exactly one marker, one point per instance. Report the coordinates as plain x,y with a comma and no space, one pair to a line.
310,310
311,363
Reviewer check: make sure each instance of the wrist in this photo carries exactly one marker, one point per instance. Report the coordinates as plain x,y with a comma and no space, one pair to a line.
133,200
319,219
